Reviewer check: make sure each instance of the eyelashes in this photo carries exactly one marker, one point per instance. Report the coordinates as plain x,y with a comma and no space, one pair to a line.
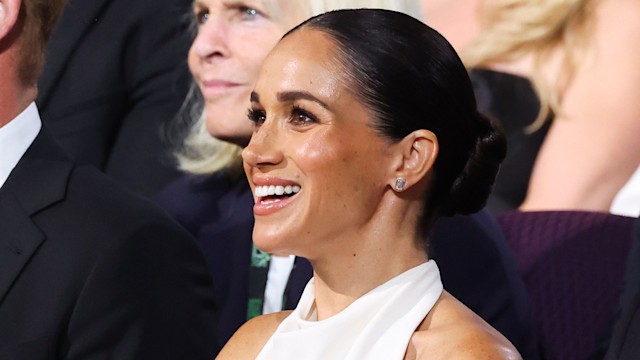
244,13
300,116
297,116
200,15
257,116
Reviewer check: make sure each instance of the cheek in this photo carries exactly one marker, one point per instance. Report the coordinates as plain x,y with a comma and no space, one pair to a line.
226,117
252,49
315,155
336,167
192,61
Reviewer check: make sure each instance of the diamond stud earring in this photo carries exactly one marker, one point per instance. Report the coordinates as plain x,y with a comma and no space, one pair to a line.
400,182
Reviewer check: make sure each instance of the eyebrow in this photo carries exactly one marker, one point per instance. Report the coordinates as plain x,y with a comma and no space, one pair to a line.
288,96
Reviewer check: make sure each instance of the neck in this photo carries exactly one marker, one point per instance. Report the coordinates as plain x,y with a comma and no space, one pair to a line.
366,258
14,99
15,96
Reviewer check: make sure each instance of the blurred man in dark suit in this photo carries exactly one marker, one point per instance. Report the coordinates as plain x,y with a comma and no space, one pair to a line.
87,269
115,77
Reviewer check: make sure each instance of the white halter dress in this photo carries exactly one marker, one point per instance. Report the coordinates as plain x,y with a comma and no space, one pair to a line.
378,325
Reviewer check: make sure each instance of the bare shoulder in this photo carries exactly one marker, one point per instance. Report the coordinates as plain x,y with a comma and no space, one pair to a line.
452,331
247,342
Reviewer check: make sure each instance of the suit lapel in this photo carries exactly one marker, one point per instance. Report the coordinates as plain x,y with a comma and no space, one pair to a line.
37,182
19,240
76,19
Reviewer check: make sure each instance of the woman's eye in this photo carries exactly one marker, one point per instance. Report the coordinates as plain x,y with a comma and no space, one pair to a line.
248,13
300,116
258,117
201,16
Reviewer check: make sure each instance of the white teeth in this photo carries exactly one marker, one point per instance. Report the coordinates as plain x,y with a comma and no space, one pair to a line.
268,190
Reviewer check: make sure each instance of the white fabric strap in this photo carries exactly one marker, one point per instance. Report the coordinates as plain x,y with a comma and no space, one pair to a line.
378,325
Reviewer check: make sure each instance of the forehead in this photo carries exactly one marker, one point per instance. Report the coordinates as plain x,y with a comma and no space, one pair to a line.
306,59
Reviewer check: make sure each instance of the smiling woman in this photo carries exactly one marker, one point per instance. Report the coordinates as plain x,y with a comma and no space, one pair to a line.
373,142
214,200
313,133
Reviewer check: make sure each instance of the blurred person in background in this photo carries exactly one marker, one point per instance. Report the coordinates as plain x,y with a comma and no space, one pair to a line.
561,77
116,75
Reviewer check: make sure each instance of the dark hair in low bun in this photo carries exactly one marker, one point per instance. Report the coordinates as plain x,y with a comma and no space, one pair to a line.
411,78
469,191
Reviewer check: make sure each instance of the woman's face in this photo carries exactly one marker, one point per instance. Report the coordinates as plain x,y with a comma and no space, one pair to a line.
234,37
313,141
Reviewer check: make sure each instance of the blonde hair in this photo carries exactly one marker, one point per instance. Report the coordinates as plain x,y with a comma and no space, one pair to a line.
512,29
201,153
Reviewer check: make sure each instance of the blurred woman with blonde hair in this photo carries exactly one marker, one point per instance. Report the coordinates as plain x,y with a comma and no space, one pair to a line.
561,77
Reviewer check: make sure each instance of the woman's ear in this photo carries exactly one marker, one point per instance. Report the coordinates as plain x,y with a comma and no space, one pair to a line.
416,154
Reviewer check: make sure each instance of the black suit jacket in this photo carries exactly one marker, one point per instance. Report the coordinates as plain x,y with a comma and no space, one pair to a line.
115,75
475,263
90,271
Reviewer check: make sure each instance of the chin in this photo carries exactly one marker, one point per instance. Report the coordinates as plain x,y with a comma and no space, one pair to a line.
271,243
234,136
228,123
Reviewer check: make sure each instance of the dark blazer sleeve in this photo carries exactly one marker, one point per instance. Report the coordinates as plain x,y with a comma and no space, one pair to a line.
134,308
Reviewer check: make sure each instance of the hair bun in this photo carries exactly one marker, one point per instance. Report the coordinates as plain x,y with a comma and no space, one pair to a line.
470,190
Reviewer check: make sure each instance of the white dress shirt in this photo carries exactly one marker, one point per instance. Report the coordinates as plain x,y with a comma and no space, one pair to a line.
279,270
15,139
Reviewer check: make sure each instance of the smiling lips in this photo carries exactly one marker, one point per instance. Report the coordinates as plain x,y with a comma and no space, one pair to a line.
271,198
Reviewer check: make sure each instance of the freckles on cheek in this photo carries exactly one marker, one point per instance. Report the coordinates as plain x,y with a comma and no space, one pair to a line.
316,151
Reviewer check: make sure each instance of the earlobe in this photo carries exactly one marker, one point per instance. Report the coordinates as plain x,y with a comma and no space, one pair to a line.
400,183
419,151
9,10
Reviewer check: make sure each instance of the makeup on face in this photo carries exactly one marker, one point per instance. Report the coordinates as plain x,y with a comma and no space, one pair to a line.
316,166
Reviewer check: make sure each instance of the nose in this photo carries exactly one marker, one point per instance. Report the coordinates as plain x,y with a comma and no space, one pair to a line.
212,39
264,148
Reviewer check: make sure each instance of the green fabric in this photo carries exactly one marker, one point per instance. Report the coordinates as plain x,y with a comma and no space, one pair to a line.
258,272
